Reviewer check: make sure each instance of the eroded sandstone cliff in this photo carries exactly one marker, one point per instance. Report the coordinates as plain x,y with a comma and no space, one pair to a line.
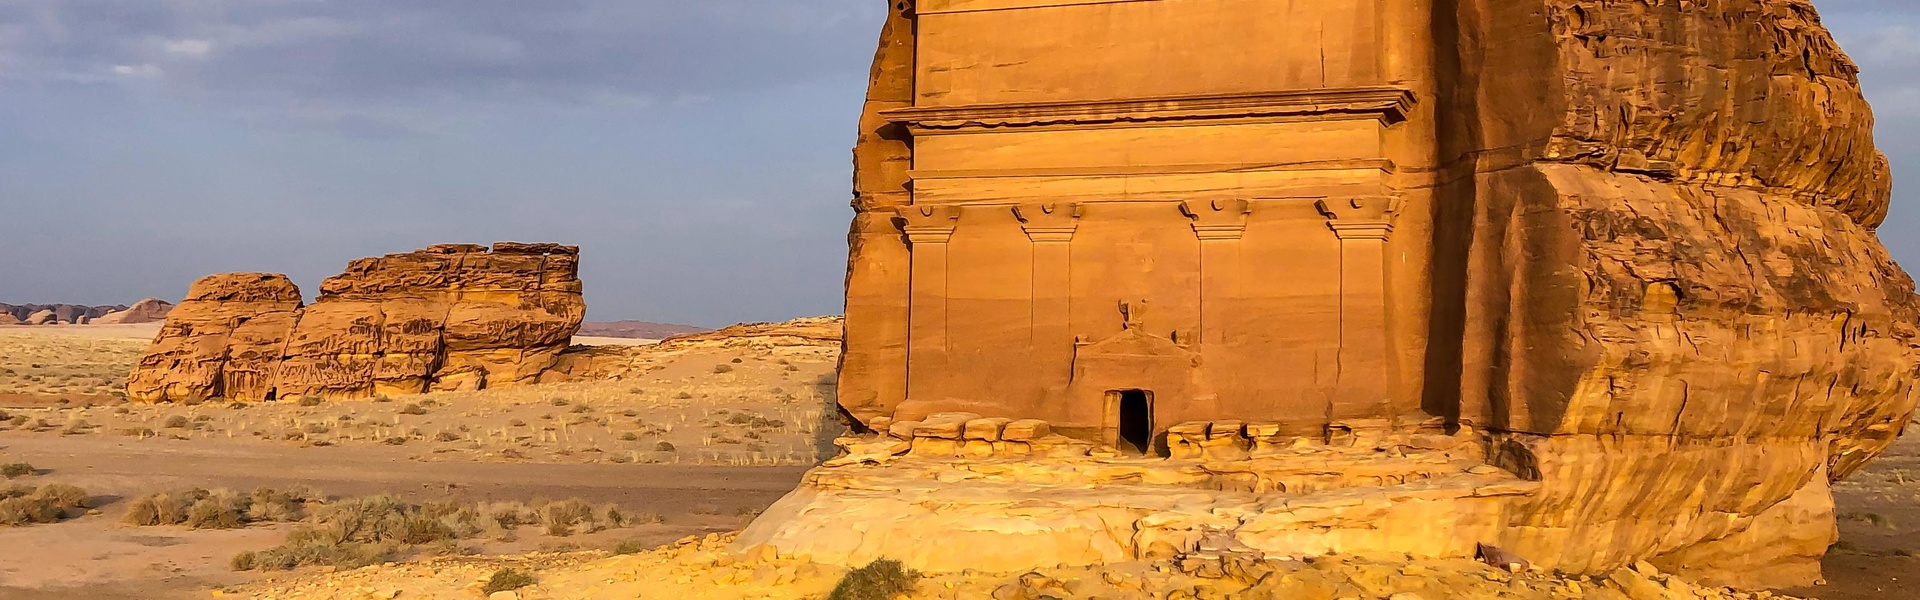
453,316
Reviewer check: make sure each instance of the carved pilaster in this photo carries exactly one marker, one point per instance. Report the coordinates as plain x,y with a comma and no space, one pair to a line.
928,229
1051,227
1220,225
1363,385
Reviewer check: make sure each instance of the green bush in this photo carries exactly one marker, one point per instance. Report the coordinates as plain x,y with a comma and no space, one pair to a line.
881,580
506,580
17,470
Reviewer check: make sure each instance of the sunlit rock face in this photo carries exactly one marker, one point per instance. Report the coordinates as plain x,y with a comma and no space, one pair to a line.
1625,248
449,317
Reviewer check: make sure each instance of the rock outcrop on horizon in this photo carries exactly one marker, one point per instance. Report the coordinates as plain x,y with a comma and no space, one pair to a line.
150,310
68,314
638,330
1618,258
449,317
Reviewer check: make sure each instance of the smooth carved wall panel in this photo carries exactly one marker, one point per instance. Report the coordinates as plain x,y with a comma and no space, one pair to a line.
1144,49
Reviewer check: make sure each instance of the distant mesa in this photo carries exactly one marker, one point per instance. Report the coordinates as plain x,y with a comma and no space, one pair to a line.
636,330
448,317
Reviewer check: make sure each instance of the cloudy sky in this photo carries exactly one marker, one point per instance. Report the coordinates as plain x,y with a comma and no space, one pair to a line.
696,149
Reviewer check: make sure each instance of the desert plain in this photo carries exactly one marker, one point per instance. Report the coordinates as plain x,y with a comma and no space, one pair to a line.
690,441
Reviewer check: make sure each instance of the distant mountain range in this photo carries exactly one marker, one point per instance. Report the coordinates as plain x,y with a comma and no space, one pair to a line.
640,330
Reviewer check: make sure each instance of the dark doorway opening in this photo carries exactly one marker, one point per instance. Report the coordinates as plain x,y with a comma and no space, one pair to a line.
1136,421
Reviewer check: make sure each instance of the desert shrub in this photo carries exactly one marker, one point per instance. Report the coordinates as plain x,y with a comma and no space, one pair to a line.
737,361
413,409
506,580
723,368
394,441
447,436
17,470
631,547
663,447
683,396
517,423
22,505
310,552
582,408
740,419
561,517
310,400
218,509
215,513
177,422
881,580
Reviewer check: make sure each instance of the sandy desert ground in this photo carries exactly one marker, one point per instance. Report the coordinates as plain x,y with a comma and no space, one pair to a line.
693,441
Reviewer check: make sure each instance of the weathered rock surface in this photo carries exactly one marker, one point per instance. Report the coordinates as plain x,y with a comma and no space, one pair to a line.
151,310
456,316
704,568
42,317
1627,246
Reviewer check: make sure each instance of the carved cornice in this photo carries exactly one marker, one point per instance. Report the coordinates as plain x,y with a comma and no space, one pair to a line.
1218,219
1388,104
1360,218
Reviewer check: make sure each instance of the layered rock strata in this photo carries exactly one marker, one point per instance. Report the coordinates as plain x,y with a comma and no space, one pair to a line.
1627,247
449,317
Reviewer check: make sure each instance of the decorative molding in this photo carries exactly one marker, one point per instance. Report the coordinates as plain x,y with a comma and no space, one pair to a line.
938,7
1360,218
1387,104
929,224
1221,219
1351,164
1048,222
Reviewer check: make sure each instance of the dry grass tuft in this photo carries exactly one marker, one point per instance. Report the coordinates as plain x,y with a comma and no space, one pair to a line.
22,505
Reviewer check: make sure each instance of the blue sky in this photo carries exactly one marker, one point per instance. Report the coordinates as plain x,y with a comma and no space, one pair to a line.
696,149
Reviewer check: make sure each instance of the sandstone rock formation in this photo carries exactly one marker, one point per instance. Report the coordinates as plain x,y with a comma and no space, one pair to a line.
7,319
151,310
1626,248
453,316
42,317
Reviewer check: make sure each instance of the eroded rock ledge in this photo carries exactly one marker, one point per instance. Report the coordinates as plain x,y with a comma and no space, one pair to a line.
448,317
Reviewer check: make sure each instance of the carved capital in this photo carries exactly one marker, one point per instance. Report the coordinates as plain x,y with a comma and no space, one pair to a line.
1217,219
1360,218
929,224
1048,222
